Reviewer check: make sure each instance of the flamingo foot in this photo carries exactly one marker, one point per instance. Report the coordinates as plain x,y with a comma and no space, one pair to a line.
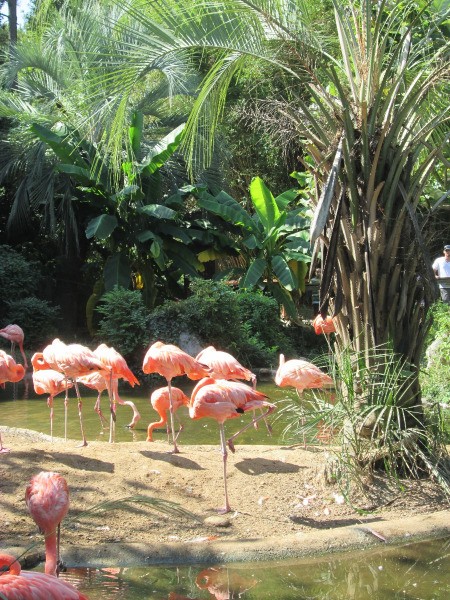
230,445
224,510
4,450
82,445
176,450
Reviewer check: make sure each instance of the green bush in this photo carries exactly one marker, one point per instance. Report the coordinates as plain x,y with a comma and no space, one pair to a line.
38,318
124,324
246,324
18,277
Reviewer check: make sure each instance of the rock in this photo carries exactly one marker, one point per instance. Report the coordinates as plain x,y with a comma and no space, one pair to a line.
218,521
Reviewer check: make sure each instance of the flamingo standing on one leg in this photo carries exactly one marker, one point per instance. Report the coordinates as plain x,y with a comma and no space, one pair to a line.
9,371
160,400
73,361
15,335
222,400
51,382
47,499
170,361
119,370
301,375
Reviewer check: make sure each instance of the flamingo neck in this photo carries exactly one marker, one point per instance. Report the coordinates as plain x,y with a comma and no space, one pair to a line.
51,559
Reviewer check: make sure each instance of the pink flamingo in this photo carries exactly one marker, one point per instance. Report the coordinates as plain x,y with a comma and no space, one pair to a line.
16,584
301,375
222,400
170,361
9,371
160,400
47,499
51,382
224,365
73,361
322,325
119,369
15,335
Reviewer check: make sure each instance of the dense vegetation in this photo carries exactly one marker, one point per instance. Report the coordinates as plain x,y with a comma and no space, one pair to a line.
124,125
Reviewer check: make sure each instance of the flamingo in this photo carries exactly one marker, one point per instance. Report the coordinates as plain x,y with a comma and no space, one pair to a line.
95,381
47,500
323,325
170,361
224,366
119,369
16,584
9,371
221,400
160,400
51,382
15,335
301,375
73,361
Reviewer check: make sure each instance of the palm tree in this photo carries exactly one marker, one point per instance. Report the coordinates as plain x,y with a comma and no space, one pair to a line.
369,105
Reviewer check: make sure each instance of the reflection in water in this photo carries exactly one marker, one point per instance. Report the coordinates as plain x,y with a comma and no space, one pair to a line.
223,584
415,571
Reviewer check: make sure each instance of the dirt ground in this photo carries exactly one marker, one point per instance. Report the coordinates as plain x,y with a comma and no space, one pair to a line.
278,496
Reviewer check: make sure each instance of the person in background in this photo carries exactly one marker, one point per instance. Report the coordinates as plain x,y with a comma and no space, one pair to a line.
441,268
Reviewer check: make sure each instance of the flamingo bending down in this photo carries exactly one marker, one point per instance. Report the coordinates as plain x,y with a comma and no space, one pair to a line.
160,400
9,371
323,325
170,361
222,400
119,370
73,361
97,382
51,382
15,335
47,499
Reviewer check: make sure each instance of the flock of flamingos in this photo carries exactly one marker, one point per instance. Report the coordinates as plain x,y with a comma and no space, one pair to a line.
217,395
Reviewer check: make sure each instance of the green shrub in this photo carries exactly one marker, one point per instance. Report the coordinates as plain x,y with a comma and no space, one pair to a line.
18,277
124,324
38,318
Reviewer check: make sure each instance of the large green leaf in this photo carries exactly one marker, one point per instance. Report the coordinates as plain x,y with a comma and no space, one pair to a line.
264,203
254,274
117,272
283,273
101,227
283,298
162,151
58,143
135,132
158,211
82,175
226,207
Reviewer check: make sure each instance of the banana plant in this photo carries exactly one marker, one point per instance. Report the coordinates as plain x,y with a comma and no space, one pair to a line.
273,238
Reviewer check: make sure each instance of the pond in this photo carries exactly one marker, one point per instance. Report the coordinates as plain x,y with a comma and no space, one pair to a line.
30,411
413,571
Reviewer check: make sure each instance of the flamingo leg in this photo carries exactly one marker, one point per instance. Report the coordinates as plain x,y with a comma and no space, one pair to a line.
50,405
180,425
80,415
230,443
66,404
112,408
223,447
172,426
98,410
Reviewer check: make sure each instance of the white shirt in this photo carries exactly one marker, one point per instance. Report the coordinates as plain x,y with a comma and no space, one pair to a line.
442,266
